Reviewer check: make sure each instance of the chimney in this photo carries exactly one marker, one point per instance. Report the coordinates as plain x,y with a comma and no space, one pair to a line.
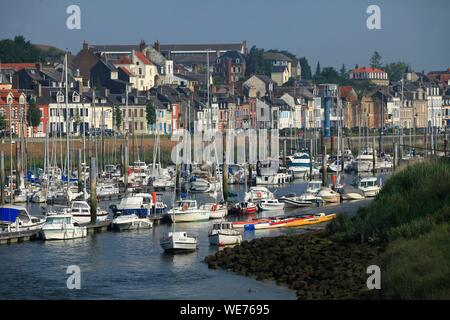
39,90
85,45
142,45
157,46
229,73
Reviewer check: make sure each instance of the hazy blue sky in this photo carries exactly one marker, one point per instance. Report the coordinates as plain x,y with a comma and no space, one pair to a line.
331,31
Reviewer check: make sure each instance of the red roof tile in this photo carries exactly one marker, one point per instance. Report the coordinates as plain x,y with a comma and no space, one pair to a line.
366,69
142,57
124,60
19,66
128,72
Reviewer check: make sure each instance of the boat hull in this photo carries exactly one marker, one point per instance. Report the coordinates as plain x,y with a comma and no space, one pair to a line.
138,224
64,234
221,239
174,246
190,216
85,219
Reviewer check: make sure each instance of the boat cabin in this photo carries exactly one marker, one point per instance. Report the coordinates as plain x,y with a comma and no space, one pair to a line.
186,204
368,182
223,226
60,219
314,186
80,206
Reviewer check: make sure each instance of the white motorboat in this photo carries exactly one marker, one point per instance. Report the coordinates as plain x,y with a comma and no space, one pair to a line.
178,242
140,204
223,233
188,211
277,178
131,222
104,190
369,186
328,195
17,219
20,196
314,186
364,161
300,165
62,227
304,200
270,205
163,183
348,192
217,210
258,193
81,212
197,184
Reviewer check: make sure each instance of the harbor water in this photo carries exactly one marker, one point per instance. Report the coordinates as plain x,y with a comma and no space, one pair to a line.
132,265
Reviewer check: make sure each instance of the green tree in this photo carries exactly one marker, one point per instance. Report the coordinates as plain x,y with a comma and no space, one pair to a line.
117,117
343,72
330,75
306,69
2,121
375,60
34,114
21,50
256,63
150,113
285,52
395,70
318,70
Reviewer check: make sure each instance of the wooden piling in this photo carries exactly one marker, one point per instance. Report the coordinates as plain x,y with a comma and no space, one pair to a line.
373,156
93,184
324,162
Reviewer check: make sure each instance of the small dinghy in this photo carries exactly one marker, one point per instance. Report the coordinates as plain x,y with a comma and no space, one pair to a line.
223,233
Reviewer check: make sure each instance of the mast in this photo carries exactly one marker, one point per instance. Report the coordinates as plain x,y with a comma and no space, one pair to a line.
67,121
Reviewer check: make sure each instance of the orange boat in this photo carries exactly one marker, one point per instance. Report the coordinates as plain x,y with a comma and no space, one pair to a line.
308,220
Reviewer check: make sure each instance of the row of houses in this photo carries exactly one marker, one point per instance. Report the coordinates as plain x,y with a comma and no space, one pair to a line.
107,82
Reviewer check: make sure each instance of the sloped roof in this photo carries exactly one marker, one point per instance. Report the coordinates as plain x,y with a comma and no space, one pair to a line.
143,58
20,66
366,70
202,47
275,56
114,48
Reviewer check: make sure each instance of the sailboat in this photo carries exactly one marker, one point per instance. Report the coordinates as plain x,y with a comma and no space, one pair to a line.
178,241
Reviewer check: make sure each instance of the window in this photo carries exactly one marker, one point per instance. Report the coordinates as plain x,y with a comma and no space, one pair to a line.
141,112
142,126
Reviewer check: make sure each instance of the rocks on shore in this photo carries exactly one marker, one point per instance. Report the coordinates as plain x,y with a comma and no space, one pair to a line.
311,264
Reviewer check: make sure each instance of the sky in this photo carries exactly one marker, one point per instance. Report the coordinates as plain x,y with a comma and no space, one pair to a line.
333,32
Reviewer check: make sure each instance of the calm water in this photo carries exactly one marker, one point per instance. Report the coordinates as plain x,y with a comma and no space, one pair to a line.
130,265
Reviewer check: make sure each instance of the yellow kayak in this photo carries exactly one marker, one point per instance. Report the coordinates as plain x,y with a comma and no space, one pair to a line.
317,218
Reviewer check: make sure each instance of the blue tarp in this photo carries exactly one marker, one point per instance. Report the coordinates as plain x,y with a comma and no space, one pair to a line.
9,214
32,178
64,178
